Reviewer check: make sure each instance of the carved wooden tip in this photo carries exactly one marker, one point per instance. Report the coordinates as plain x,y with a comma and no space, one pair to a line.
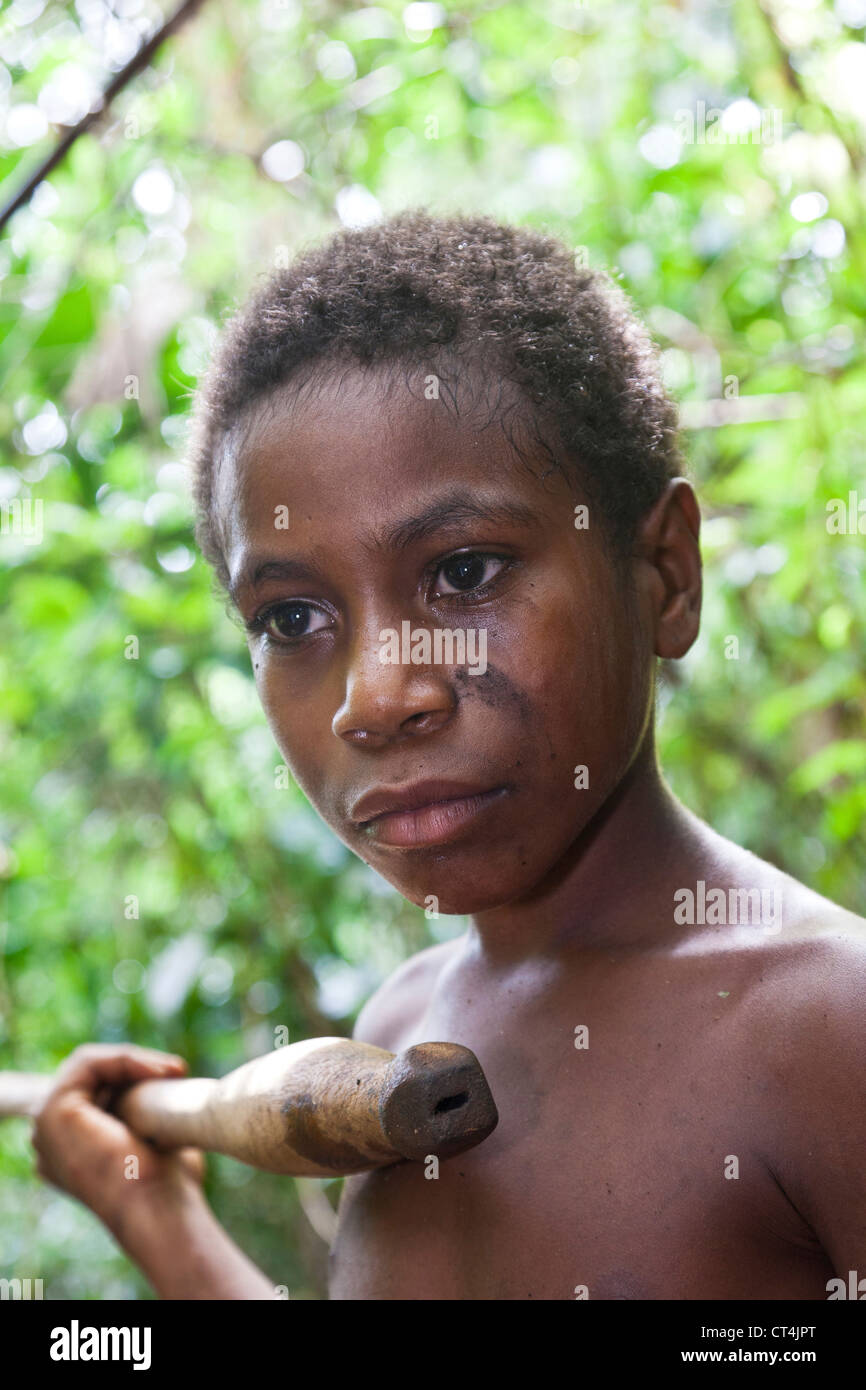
436,1101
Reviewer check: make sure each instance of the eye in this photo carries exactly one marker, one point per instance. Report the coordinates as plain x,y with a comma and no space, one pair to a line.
288,622
467,571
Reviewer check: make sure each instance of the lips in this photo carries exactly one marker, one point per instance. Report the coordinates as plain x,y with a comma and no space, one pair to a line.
383,801
426,815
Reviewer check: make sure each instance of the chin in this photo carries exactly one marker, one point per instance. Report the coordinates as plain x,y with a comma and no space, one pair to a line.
456,893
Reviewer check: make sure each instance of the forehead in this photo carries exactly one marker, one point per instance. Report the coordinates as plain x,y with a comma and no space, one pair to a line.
356,448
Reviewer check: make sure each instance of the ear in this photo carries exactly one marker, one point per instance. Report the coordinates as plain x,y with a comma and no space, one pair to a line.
669,559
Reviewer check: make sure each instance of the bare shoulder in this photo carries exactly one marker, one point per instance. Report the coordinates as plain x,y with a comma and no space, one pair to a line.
400,1001
799,960
813,945
813,991
793,985
818,946
829,956
812,1009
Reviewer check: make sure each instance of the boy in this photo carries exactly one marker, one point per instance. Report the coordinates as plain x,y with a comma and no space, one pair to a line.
443,425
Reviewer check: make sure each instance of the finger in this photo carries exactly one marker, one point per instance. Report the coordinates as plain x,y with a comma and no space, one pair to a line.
73,1121
97,1052
98,1064
193,1161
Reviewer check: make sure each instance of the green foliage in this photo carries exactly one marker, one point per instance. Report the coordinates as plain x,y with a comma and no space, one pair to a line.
156,885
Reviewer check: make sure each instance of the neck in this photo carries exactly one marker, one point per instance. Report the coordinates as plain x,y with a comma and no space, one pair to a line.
613,888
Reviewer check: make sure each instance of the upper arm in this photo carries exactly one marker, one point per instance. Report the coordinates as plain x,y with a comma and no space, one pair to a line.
828,1108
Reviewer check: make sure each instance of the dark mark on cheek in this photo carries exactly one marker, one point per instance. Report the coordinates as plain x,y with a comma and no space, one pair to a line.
494,689
498,691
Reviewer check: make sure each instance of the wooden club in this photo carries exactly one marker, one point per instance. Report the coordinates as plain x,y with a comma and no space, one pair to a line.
324,1107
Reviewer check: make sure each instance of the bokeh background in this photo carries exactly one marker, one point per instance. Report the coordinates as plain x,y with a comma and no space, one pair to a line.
156,885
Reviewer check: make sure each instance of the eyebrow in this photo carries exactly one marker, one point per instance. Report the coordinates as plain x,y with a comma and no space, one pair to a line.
452,510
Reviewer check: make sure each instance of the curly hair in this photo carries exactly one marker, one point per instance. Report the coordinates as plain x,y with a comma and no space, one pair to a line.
507,300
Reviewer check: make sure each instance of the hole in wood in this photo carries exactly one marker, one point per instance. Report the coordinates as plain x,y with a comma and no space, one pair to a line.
451,1103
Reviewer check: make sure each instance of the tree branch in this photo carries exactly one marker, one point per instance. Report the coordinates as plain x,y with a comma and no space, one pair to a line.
136,64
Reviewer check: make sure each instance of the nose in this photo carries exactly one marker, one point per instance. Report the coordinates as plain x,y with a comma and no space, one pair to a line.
387,700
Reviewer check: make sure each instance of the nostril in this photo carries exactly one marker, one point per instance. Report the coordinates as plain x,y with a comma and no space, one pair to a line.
451,1103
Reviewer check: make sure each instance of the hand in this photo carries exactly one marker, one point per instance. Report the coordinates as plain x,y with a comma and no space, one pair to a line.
93,1155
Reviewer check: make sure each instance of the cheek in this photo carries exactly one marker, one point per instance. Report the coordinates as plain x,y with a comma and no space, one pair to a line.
290,718
552,655
583,677
267,686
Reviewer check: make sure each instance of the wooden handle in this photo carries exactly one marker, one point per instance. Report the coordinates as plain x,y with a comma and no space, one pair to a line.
23,1092
320,1108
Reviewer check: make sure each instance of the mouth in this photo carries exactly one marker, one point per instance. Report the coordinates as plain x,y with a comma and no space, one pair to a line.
425,814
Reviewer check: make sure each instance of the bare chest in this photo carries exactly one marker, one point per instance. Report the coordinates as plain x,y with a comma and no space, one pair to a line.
618,1170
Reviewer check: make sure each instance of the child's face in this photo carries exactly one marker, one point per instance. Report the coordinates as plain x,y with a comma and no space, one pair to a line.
382,487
